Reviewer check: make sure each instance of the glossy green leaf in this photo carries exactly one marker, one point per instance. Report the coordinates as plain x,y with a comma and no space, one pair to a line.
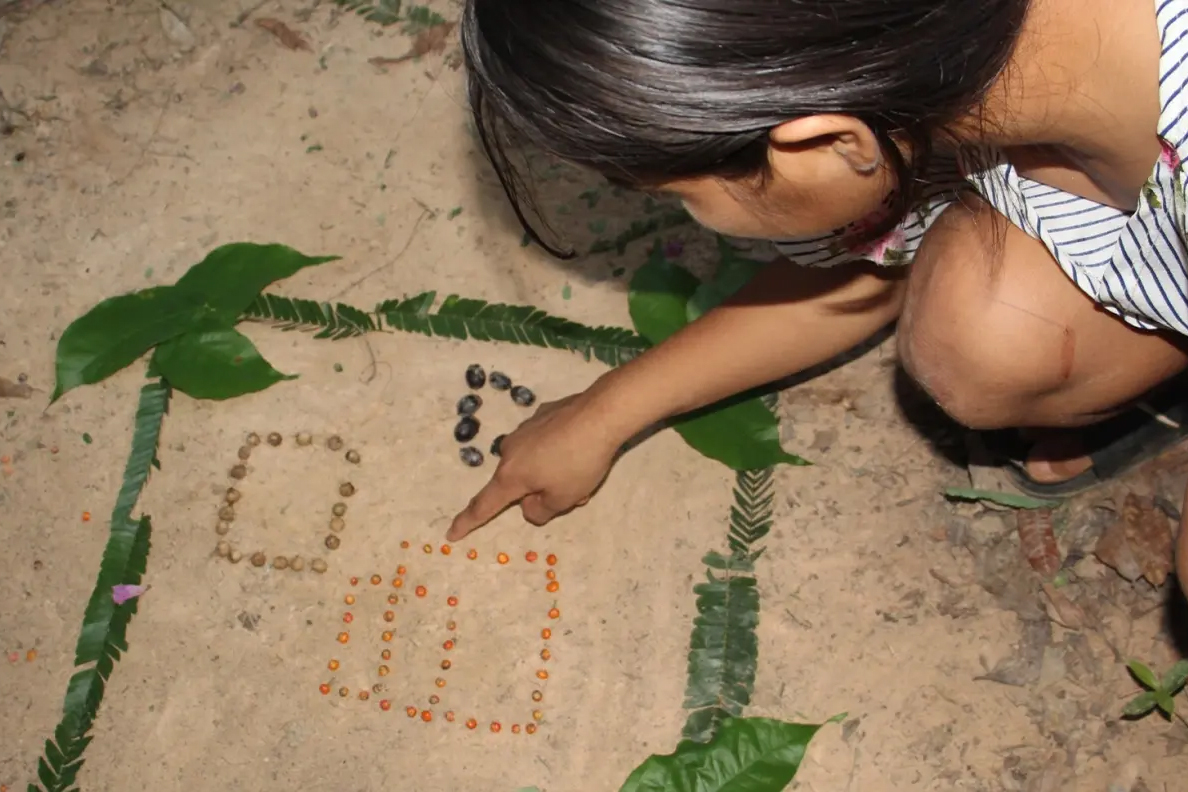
1139,705
231,277
740,432
215,364
746,755
1009,499
1143,674
1175,679
659,295
734,272
1165,702
119,330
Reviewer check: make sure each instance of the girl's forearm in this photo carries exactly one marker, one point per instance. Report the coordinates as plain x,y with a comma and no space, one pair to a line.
787,319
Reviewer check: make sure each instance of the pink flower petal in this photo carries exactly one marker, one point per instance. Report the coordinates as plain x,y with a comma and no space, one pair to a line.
1168,154
124,592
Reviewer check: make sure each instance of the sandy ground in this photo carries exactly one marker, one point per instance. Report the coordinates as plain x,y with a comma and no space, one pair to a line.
132,147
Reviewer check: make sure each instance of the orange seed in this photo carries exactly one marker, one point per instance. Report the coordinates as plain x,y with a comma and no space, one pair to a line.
385,705
552,587
389,616
546,633
86,516
551,574
451,601
426,715
545,654
332,665
422,591
472,554
324,688
495,726
530,728
471,723
439,682
554,613
404,545
354,581
387,636
364,695
445,549
400,570
515,728
449,716
448,645
411,711
537,715
502,558
343,637
551,559
530,556
375,580
542,674
397,582
30,655
349,599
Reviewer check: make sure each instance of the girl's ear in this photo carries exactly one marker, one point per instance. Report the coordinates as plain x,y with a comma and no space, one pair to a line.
848,137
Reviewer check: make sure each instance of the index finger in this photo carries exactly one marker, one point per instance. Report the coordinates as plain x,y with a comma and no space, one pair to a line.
490,501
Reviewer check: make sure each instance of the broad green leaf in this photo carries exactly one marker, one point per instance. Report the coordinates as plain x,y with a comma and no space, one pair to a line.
119,330
1139,705
1165,702
734,272
1175,679
1001,498
231,277
744,435
659,293
215,364
741,433
1143,674
746,755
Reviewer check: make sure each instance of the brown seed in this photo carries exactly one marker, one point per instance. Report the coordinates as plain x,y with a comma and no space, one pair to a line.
337,524
537,695
244,452
515,728
223,549
296,563
253,439
227,514
393,599
353,457
334,443
435,699
376,580
377,688
383,670
239,471
233,495
439,682
235,556
332,542
338,509
332,665
280,562
275,439
318,565
537,715
259,559
389,616
304,438
344,692
530,728
222,528
364,695
386,654
346,489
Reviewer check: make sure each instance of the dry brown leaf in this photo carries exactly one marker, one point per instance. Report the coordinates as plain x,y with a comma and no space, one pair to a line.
1064,611
284,34
1037,540
430,41
1139,543
14,390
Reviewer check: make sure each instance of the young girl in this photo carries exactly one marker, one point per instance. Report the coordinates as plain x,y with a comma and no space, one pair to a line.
1003,177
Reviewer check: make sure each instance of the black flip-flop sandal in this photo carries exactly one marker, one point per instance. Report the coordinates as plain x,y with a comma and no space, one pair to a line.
1117,445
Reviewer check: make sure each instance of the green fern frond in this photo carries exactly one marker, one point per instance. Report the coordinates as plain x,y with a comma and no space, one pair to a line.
331,321
419,19
724,650
464,318
751,514
105,625
642,229
384,12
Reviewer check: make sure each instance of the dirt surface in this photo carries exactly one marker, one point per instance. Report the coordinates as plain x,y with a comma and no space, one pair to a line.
136,138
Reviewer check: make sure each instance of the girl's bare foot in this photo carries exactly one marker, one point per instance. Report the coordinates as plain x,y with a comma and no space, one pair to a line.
1056,456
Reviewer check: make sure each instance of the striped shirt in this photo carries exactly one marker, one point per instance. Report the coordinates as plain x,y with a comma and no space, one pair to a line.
1134,264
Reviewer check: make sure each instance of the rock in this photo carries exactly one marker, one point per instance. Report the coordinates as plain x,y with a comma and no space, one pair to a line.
176,30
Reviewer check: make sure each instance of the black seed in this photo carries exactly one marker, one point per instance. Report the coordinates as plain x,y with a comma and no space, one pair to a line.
522,396
469,404
475,376
471,456
466,429
500,381
496,445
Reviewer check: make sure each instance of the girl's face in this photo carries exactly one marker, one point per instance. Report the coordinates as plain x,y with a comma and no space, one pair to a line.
816,184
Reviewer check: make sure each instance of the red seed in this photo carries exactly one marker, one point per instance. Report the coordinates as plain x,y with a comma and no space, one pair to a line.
324,688
385,705
426,716
451,601
530,556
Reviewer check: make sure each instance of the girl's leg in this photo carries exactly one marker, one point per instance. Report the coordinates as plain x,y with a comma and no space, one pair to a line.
1000,337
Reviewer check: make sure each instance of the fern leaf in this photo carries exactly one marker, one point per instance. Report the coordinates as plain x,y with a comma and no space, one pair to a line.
463,318
330,321
751,514
385,12
642,229
723,649
420,18
105,625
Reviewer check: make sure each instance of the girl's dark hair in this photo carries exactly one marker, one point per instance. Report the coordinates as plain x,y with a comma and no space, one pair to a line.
647,91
